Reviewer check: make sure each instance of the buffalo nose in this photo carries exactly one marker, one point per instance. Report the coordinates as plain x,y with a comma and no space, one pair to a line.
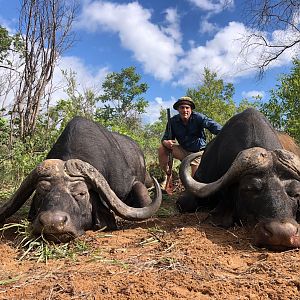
56,220
276,233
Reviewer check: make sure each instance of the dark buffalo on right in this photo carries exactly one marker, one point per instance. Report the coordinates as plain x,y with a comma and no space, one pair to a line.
247,177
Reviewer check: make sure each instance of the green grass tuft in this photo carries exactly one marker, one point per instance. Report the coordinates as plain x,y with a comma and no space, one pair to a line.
38,248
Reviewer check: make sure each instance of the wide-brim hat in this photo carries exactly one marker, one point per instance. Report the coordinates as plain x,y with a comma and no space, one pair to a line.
184,100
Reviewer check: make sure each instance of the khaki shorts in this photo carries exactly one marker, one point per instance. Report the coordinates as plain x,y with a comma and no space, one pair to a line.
180,153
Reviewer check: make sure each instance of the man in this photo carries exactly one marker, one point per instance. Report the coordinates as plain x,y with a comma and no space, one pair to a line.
188,129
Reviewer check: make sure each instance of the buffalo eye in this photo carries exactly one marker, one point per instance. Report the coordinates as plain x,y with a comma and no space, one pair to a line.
79,195
251,184
78,190
43,186
293,189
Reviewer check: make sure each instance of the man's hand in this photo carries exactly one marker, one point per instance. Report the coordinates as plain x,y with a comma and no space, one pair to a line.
169,144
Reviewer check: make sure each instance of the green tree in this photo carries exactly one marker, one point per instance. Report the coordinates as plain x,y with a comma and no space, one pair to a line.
46,27
77,104
9,44
122,98
283,108
152,135
214,98
245,103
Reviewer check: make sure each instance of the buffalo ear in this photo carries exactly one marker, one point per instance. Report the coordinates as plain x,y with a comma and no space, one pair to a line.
224,219
223,214
22,194
139,195
102,217
32,211
187,202
148,181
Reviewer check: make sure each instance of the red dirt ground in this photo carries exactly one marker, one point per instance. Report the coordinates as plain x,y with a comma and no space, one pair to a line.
171,257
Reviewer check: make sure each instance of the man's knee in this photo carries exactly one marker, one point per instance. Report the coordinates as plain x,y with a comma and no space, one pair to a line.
179,152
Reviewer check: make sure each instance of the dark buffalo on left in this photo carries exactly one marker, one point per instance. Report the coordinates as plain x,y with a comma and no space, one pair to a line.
89,176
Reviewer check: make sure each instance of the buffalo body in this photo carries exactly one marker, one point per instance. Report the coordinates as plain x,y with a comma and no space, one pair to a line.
89,176
247,177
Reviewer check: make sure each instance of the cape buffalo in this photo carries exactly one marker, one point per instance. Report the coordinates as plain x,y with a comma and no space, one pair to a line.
247,177
89,175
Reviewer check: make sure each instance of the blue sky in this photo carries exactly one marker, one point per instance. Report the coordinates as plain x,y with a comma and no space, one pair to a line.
168,41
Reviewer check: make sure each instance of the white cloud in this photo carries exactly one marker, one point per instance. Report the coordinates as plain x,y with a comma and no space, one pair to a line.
283,37
156,48
9,24
213,6
86,77
208,27
154,108
159,100
173,29
222,54
253,94
258,53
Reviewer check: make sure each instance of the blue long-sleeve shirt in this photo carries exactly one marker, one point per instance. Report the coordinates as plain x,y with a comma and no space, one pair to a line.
191,136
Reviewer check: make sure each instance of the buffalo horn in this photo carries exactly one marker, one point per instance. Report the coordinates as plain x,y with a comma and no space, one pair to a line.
246,161
76,167
287,161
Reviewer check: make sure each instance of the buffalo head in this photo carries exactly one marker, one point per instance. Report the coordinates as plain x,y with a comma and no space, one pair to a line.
266,194
72,196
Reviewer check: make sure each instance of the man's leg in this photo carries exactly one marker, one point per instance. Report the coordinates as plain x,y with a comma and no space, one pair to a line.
180,153
194,169
195,163
163,158
163,154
